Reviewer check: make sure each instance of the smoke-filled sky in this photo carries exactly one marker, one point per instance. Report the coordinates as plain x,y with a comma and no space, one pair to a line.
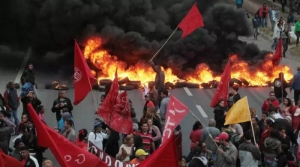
132,29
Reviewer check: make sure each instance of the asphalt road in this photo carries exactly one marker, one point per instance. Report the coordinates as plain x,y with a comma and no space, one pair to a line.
84,112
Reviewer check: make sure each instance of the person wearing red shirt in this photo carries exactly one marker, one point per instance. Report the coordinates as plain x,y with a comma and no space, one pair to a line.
270,102
195,135
147,138
81,139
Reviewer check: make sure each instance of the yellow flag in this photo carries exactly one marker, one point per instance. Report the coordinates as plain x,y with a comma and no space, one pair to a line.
239,112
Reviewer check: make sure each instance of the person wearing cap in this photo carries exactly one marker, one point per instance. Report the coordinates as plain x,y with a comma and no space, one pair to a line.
17,145
249,154
97,135
227,152
295,85
140,155
26,159
198,159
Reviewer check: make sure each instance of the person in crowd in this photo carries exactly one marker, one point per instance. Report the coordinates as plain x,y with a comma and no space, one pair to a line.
274,114
287,108
26,159
135,121
30,98
270,102
273,15
296,119
152,114
198,159
60,103
290,21
276,34
154,130
2,102
24,122
164,103
207,154
126,149
297,32
159,79
68,131
234,93
17,145
239,3
263,14
140,155
12,103
255,24
26,87
196,134
149,105
138,144
238,129
295,83
261,123
64,117
147,137
229,103
81,139
178,140
256,129
205,137
112,144
28,73
41,112
271,148
47,163
285,158
227,152
284,139
4,136
22,130
153,93
220,114
248,153
268,127
285,35
280,85
148,102
97,135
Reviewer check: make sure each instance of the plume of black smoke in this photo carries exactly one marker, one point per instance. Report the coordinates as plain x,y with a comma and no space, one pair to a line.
133,30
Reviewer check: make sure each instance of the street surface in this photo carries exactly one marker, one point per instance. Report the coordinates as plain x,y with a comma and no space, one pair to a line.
84,115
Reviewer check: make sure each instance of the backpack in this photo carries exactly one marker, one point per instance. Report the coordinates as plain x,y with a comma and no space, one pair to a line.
234,138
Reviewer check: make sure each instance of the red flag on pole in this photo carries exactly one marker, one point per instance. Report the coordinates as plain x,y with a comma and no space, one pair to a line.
176,111
165,155
278,53
107,106
222,89
6,161
66,153
83,77
191,21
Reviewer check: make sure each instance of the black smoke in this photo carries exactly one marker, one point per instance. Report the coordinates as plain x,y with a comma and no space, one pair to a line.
133,30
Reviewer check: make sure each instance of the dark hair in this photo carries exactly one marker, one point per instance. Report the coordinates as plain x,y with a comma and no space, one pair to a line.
82,134
138,142
133,114
39,108
26,115
275,134
70,122
256,119
248,135
269,122
24,148
265,113
165,92
271,109
196,125
281,128
289,102
284,148
235,87
272,92
145,122
218,104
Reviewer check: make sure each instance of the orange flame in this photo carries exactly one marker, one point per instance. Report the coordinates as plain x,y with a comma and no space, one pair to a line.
142,71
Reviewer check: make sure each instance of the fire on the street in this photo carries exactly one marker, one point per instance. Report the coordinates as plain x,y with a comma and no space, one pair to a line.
254,76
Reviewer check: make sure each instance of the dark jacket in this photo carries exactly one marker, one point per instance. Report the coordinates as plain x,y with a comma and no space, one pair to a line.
279,87
255,22
68,104
219,117
290,18
31,162
112,144
198,162
30,75
35,102
2,102
295,84
11,98
159,79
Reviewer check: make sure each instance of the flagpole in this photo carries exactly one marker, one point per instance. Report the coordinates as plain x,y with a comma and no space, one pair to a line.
204,128
164,44
94,97
251,122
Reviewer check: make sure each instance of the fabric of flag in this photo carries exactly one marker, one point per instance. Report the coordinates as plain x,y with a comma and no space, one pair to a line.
8,161
238,113
278,53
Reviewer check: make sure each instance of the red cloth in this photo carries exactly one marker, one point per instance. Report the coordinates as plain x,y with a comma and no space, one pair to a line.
266,106
165,155
107,106
295,122
150,104
195,136
83,77
66,153
6,161
176,111
121,120
278,53
260,12
191,21
222,89
81,144
265,134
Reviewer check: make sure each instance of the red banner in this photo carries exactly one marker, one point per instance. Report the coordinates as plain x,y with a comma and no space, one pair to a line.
111,162
176,111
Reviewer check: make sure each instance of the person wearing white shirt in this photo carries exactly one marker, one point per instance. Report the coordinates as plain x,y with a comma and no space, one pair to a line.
97,135
276,34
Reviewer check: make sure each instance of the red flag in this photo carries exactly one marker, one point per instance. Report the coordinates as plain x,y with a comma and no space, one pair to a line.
222,89
66,153
165,155
191,21
278,53
6,161
107,106
83,77
176,111
121,116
